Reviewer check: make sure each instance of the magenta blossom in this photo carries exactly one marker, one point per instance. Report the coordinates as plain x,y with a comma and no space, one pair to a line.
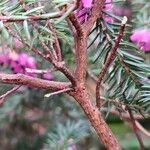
22,59
31,63
83,12
142,38
47,76
87,3
19,62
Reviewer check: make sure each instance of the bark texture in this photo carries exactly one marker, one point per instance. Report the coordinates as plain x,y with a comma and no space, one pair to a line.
94,116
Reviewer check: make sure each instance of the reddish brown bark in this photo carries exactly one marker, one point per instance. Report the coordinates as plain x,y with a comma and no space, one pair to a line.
94,116
21,79
80,94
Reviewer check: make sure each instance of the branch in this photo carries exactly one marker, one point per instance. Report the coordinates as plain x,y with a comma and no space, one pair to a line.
37,71
80,48
135,129
81,95
111,56
124,115
80,35
50,57
142,129
21,79
75,22
59,65
31,18
56,42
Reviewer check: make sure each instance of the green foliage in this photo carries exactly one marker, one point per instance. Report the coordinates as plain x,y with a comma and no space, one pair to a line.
64,136
127,78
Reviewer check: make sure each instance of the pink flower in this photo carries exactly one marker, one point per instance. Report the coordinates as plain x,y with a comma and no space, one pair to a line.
142,38
22,59
87,3
31,63
19,62
17,68
47,76
83,11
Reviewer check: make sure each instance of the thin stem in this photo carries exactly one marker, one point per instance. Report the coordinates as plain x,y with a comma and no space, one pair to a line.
3,97
111,56
135,128
142,129
39,71
56,42
58,92
17,18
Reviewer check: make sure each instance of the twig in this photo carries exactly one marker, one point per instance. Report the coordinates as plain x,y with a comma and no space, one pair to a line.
109,60
79,29
124,115
135,129
56,42
142,129
37,71
31,18
51,52
58,92
80,48
81,33
46,48
3,97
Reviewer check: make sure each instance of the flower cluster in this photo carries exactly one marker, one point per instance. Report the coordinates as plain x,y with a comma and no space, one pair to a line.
142,38
84,10
18,62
